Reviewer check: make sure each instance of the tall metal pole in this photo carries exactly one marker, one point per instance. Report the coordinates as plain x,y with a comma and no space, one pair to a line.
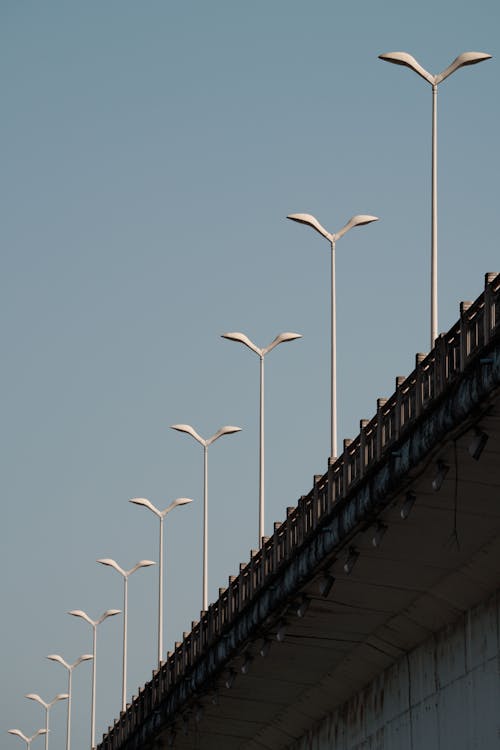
333,372
434,249
205,527
94,669
261,454
124,668
47,709
160,595
68,720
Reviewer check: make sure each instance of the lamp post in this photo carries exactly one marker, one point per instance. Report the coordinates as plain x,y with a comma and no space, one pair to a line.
125,574
161,515
93,624
28,740
311,221
69,668
243,339
227,430
47,707
403,58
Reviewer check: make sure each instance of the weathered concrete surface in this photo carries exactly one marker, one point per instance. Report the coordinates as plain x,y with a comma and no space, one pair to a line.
443,695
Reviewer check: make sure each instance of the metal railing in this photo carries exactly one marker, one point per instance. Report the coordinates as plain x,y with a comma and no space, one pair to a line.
433,374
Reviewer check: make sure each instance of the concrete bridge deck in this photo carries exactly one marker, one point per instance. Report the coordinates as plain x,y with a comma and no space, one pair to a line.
398,538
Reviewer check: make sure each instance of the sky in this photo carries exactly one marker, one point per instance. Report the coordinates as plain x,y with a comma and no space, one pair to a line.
150,154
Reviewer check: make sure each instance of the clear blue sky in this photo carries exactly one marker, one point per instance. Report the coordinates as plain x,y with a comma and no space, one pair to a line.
150,152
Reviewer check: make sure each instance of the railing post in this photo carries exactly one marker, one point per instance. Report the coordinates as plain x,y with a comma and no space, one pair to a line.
380,403
277,524
362,446
419,358
345,463
488,299
316,511
288,546
330,488
400,379
439,365
464,334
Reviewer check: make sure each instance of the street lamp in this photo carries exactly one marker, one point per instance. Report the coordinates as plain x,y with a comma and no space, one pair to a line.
69,668
161,515
125,574
403,58
28,740
311,221
93,624
243,339
227,430
47,707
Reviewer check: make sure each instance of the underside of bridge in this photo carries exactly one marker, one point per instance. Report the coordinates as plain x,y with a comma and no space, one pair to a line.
427,570
412,545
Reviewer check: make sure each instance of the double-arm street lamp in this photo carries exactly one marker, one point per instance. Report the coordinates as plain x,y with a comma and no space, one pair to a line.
69,668
403,58
227,430
243,339
161,514
332,238
47,706
93,624
27,740
125,574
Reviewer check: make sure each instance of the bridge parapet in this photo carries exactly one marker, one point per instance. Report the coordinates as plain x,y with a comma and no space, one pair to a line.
433,377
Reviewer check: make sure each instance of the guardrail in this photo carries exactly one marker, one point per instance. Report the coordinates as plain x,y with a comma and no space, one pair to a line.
433,375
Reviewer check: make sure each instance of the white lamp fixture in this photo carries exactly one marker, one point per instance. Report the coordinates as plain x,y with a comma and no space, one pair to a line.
442,471
93,624
161,514
408,504
47,706
378,533
265,647
69,668
227,430
27,740
247,663
281,631
229,681
243,339
311,221
303,606
403,58
125,574
325,584
350,560
478,443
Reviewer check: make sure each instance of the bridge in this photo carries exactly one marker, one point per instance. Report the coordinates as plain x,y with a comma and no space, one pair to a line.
370,618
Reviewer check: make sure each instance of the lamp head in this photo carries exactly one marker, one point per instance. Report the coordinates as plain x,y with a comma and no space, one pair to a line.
466,58
83,657
227,430
58,659
146,503
280,339
403,58
311,221
356,221
243,339
108,613
174,504
112,564
82,614
36,697
189,431
141,564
